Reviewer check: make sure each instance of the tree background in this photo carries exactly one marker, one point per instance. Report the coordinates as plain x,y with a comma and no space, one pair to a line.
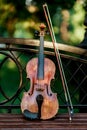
20,19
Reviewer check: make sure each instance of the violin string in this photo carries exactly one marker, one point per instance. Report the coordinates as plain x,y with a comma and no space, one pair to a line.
46,11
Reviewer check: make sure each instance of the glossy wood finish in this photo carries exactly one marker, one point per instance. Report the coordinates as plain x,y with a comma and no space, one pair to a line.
47,44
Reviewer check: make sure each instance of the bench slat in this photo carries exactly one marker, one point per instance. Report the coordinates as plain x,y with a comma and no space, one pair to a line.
18,122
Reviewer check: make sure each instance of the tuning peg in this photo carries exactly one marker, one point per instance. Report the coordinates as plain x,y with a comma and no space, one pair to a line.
47,32
36,33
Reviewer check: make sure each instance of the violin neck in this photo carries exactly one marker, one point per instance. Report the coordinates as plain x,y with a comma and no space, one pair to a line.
40,72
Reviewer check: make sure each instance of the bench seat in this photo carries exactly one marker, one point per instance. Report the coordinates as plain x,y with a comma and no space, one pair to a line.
61,122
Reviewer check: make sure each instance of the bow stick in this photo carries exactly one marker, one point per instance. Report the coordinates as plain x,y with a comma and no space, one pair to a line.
64,82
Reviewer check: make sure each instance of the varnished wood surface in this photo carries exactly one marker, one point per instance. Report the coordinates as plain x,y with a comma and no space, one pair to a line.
47,44
61,122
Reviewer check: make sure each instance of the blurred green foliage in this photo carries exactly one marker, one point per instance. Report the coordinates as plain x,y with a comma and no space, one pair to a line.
19,20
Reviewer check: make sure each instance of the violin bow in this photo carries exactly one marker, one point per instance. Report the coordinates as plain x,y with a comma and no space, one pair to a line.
64,82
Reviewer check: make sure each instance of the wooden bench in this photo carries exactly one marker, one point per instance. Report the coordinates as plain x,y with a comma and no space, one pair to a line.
61,122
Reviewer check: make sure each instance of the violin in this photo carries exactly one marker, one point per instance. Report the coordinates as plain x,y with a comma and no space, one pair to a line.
40,102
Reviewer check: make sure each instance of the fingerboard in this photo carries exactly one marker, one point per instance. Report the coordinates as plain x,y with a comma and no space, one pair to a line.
40,72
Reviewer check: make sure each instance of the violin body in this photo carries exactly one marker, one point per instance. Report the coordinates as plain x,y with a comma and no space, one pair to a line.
50,105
